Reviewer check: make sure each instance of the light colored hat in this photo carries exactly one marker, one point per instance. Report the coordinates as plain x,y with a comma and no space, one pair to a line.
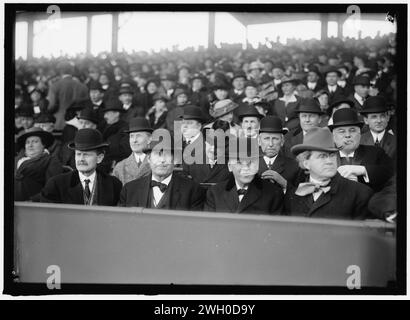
255,65
316,139
223,107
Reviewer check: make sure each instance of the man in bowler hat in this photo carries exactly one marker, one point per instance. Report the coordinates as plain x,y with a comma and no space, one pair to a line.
369,165
327,194
136,165
163,188
376,116
244,191
85,185
274,166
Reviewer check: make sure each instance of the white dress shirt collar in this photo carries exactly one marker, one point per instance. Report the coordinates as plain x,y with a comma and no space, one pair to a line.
140,156
332,88
91,178
350,155
359,98
379,135
269,160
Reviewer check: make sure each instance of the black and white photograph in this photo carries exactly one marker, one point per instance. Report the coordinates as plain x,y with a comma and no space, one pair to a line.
205,149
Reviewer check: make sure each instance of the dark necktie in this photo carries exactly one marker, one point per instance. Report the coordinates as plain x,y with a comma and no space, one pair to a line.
162,186
377,142
241,192
87,188
345,161
139,162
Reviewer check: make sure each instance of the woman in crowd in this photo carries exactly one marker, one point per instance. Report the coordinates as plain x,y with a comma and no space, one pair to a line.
33,165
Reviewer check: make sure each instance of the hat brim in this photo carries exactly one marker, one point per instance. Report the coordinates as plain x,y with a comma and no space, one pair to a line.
339,74
139,130
373,111
310,111
93,120
45,136
294,81
113,109
345,124
299,148
260,116
283,131
201,120
72,146
222,113
337,103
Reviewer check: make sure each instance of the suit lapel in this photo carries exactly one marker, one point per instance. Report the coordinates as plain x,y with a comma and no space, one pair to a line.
174,191
251,196
230,195
279,164
76,189
367,139
143,195
324,197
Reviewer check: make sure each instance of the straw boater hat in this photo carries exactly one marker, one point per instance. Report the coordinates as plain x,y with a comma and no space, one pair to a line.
87,140
46,137
316,139
223,107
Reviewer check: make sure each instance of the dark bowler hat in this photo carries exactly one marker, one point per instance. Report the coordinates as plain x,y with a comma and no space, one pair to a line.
95,85
239,74
314,69
89,114
80,104
191,112
376,104
309,105
341,100
220,85
272,124
45,118
167,145
332,69
243,148
46,137
114,105
138,124
248,111
316,139
88,139
364,81
345,117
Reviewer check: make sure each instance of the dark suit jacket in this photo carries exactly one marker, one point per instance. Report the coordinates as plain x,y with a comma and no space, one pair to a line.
185,194
339,93
286,167
203,173
388,143
237,98
262,197
379,165
67,188
132,112
346,199
287,113
290,141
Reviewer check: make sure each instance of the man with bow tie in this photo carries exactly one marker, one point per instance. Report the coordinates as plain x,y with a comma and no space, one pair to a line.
163,188
368,165
244,191
327,194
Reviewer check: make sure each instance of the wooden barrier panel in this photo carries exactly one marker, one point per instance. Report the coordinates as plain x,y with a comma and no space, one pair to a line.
144,246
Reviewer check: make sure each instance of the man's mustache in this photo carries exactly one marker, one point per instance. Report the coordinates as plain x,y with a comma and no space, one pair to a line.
82,163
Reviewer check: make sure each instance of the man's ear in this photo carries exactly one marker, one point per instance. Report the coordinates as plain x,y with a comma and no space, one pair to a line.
100,157
229,167
306,164
365,120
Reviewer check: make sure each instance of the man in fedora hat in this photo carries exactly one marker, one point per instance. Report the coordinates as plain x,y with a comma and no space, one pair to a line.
136,165
86,185
361,85
313,79
285,107
309,113
244,191
369,165
224,110
273,164
376,116
113,133
327,194
163,188
332,75
249,118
